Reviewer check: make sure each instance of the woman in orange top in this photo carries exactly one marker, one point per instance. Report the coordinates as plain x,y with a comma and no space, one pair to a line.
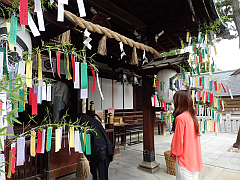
186,147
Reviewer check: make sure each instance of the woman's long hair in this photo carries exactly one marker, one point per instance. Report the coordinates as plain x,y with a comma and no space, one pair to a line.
183,102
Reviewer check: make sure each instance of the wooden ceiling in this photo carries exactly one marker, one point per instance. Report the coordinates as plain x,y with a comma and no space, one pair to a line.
146,17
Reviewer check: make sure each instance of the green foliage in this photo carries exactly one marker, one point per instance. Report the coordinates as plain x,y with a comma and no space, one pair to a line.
171,53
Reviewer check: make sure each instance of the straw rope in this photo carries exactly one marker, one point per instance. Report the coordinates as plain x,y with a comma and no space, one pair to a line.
109,33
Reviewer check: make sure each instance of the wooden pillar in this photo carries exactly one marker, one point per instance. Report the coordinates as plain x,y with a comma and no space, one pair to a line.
149,163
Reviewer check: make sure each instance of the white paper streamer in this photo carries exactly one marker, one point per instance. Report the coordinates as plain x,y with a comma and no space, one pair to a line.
99,88
122,50
49,92
81,8
60,16
77,80
63,1
51,63
37,5
88,39
33,26
1,64
41,25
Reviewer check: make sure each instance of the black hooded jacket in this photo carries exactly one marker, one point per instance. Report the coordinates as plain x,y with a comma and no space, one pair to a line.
101,146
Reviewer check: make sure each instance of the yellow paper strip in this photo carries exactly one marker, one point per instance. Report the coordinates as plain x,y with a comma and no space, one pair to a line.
69,74
216,127
11,46
29,73
193,92
208,58
219,87
215,50
210,69
9,165
208,124
72,142
57,140
206,38
39,67
182,44
202,125
187,38
215,102
196,79
33,144
154,84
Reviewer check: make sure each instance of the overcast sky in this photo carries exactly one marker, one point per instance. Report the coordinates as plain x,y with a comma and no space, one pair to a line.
228,55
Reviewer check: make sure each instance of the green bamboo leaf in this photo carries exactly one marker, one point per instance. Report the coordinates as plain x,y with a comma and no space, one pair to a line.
9,135
15,120
12,111
2,129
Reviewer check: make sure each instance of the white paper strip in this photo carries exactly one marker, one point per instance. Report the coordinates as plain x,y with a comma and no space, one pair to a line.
44,91
77,141
51,1
21,68
49,92
39,94
1,64
63,1
41,25
37,5
60,16
84,93
2,162
43,141
20,151
32,26
87,43
230,92
50,58
77,79
81,8
99,87
122,50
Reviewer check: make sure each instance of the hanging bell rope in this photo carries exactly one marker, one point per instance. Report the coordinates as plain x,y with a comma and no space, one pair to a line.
109,33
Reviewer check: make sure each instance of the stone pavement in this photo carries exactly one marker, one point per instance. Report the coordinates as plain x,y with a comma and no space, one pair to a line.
218,163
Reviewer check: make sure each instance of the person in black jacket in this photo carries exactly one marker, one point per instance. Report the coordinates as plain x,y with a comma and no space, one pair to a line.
102,149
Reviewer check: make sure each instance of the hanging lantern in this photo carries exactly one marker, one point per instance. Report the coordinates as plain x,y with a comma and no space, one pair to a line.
122,77
133,79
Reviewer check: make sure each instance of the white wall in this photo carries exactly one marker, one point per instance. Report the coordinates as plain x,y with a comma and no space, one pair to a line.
114,94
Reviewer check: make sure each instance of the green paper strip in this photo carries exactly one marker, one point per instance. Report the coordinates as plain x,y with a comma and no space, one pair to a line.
204,127
202,80
219,106
49,139
197,51
88,144
161,85
193,46
183,73
13,30
198,70
206,50
212,67
191,72
10,78
189,80
21,103
209,97
82,141
210,86
203,54
83,75
218,117
212,114
197,109
162,117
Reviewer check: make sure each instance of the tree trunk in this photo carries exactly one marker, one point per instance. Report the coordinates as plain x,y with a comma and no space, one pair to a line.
237,143
236,17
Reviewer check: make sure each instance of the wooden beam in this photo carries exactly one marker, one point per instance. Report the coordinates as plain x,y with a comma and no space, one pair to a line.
162,47
113,11
151,10
166,2
175,21
171,39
